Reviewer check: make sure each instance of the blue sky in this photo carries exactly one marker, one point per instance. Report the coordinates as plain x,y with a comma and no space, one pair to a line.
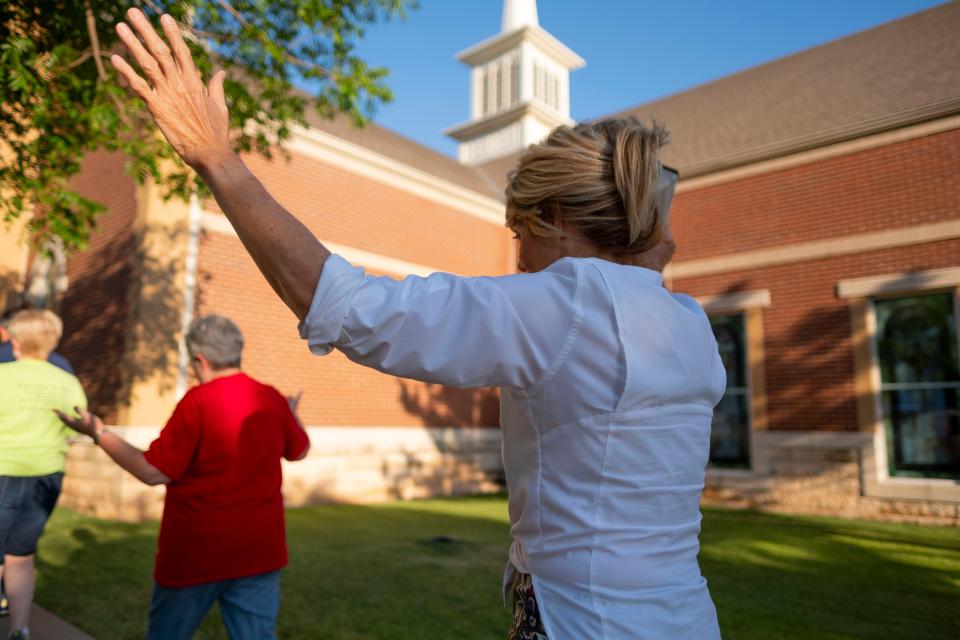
636,50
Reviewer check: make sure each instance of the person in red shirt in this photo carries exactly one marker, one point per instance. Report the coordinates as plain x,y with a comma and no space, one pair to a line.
222,537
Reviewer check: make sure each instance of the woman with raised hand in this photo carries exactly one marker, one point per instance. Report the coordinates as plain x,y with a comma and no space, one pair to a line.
608,381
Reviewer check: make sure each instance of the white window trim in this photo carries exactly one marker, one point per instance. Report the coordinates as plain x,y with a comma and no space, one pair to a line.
877,481
748,304
899,283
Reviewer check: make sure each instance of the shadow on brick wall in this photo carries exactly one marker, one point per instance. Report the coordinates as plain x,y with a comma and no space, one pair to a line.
10,289
122,315
440,406
810,373
463,426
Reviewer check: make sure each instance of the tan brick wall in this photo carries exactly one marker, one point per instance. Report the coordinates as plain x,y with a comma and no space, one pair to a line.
13,260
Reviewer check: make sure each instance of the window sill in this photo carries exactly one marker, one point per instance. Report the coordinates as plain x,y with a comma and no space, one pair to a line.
736,478
933,489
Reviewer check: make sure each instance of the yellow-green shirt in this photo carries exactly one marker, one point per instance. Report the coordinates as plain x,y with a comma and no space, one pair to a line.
33,441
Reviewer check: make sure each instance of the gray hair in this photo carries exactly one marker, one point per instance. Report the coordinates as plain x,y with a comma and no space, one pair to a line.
217,339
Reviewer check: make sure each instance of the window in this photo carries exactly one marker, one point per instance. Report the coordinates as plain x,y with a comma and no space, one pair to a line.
537,81
515,81
730,434
916,342
499,86
485,97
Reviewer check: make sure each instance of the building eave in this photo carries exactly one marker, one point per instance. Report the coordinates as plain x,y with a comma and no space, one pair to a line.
503,42
820,139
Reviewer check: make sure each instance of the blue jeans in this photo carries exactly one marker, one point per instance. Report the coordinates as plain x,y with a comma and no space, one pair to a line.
249,607
25,505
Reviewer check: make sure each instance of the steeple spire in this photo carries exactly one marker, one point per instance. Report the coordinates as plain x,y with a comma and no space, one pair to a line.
519,86
518,14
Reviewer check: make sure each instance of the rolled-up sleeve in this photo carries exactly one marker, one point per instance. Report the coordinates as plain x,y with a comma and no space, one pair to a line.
452,330
323,324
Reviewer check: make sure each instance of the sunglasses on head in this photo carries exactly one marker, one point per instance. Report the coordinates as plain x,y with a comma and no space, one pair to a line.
665,189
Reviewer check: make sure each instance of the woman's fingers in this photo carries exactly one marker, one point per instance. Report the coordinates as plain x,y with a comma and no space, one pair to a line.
157,48
215,91
146,61
138,84
180,50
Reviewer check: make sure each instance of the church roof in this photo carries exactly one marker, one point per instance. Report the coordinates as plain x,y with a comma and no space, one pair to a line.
900,73
893,75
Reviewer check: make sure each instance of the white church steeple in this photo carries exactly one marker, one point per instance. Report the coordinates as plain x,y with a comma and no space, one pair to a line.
519,13
519,86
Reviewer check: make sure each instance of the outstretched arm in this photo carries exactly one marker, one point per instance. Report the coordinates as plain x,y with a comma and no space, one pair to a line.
122,452
194,119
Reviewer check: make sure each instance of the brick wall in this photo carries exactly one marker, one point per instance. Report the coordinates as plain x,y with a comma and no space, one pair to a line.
96,306
905,183
341,207
808,346
809,355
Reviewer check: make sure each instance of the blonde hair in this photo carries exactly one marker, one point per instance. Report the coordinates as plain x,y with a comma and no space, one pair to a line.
600,176
35,332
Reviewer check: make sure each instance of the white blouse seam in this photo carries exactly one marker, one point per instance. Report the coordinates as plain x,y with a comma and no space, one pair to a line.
568,343
596,529
617,317
652,409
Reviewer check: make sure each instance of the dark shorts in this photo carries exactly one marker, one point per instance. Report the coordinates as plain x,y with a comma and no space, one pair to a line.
25,506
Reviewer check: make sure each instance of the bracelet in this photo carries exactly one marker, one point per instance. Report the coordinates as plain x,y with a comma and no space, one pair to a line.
97,435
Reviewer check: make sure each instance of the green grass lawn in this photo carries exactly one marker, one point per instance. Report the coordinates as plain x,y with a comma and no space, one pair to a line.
375,572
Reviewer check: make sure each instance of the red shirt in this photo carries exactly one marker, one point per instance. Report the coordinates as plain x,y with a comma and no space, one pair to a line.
223,514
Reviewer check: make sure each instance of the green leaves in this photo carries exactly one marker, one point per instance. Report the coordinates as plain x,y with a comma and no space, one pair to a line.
55,106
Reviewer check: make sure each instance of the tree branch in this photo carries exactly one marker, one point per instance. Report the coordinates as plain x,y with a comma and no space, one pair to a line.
153,5
83,57
292,59
94,39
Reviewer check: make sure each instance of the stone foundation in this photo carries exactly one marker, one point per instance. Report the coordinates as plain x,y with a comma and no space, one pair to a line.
818,473
345,464
811,473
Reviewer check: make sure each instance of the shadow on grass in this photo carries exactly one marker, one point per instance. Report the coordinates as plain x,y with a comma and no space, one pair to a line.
356,572
787,577
432,569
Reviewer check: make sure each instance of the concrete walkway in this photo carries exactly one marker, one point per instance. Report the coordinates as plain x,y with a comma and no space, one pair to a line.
46,626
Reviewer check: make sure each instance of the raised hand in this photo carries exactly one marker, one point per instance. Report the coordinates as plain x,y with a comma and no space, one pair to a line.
84,422
193,117
294,401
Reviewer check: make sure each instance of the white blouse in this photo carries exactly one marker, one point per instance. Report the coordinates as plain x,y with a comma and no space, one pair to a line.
608,384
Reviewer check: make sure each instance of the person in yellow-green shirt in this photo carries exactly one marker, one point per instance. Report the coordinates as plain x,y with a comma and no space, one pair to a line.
33,450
